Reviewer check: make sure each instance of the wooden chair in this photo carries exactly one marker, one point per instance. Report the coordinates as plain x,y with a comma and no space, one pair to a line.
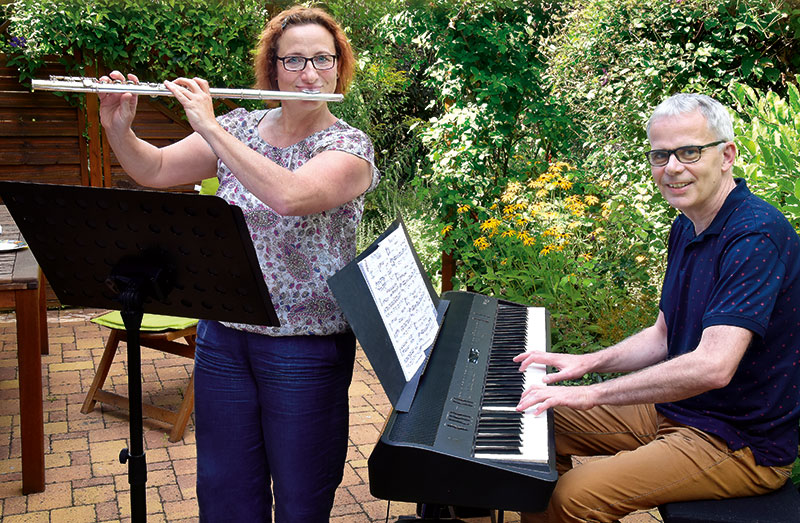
160,333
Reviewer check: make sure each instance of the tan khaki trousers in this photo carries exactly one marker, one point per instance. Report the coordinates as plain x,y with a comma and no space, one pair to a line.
652,460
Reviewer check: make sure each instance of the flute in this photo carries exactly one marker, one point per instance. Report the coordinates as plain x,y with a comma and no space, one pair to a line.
81,84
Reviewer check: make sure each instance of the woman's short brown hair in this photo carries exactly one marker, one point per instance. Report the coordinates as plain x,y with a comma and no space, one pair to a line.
266,53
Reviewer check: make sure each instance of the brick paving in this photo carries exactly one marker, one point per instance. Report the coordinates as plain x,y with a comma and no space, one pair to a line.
85,482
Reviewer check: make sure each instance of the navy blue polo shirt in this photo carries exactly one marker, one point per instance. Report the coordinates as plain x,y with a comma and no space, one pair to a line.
744,270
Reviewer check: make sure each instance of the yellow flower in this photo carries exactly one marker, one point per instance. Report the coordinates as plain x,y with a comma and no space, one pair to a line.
641,259
511,192
446,229
490,225
592,199
525,238
481,243
547,249
462,209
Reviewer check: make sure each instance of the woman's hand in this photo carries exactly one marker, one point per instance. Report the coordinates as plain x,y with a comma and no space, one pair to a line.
195,97
117,110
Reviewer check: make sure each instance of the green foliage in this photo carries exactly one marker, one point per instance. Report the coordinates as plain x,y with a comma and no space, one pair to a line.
481,62
768,132
208,38
613,59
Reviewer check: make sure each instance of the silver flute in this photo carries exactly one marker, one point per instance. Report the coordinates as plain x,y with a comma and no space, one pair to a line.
81,84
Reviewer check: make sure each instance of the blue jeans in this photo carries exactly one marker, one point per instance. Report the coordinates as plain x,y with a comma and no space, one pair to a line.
270,409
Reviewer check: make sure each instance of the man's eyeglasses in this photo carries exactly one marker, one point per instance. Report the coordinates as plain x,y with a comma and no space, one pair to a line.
321,62
685,154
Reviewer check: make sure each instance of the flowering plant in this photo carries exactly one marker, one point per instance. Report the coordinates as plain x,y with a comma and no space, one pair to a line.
558,240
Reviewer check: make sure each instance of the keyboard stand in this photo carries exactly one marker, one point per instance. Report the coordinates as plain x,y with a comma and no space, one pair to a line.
433,513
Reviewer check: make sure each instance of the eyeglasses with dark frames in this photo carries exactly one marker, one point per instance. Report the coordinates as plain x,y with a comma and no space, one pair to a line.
321,62
685,154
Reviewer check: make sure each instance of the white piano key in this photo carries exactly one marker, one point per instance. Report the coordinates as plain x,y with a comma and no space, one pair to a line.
534,436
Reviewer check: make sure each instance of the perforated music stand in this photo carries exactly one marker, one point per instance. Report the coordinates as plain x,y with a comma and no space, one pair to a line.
142,251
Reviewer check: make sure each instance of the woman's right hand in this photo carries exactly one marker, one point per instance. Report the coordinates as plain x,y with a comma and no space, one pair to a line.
117,110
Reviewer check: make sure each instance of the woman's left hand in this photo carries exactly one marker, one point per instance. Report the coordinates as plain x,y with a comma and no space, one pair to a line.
195,97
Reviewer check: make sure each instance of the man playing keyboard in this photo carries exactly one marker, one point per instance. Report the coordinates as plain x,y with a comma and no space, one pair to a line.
710,405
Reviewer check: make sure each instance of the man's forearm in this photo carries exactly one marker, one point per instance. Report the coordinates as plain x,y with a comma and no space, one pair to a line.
643,349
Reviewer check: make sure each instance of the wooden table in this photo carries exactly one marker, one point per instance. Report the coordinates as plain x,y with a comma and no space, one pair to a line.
22,287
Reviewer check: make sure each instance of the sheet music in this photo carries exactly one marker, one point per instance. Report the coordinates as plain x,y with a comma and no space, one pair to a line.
402,299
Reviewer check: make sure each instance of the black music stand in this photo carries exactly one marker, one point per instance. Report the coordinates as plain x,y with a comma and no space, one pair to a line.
142,251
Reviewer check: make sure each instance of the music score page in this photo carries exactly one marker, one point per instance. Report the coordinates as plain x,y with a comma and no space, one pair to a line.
400,294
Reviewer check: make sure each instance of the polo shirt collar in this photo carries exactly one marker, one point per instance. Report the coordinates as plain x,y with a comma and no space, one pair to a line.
736,197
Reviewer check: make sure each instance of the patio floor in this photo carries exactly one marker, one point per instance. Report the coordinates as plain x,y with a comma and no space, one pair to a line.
85,481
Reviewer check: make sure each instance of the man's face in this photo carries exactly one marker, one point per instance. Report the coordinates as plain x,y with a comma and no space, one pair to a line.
697,189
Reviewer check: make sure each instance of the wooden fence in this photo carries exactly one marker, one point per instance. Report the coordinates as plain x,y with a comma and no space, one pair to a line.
44,138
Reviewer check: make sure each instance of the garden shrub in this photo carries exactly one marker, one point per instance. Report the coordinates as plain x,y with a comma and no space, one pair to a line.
767,129
169,38
482,64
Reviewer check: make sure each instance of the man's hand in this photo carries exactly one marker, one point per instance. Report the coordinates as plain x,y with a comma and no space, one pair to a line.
570,366
543,398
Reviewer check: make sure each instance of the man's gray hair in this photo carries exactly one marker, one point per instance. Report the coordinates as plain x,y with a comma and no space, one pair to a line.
717,116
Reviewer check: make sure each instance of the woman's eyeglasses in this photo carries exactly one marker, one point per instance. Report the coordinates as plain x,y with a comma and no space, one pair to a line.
321,62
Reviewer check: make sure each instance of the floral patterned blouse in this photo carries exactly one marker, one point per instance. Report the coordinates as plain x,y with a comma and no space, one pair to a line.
297,254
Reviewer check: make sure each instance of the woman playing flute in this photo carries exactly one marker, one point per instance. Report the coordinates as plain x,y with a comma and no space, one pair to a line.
272,402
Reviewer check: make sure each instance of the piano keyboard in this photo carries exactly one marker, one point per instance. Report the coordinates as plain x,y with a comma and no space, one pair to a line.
502,432
462,442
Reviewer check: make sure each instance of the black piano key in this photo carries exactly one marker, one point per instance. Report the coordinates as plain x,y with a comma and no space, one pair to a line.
499,450
487,426
498,442
504,431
